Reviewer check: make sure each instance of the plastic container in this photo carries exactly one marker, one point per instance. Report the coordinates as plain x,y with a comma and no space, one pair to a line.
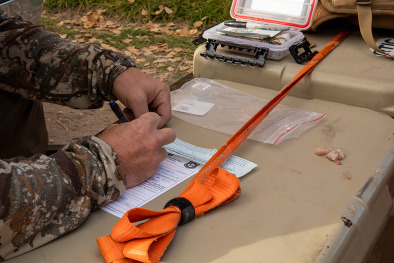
274,51
294,14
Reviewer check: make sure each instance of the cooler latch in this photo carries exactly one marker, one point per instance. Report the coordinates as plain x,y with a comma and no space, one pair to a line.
199,40
306,55
258,59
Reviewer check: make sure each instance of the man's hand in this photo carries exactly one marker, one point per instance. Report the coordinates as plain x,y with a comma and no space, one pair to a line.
139,146
141,93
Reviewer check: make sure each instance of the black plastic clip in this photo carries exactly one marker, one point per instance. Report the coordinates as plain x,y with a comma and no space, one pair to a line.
187,209
306,55
199,40
260,54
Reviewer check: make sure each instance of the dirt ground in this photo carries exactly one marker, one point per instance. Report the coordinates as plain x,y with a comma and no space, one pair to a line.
64,123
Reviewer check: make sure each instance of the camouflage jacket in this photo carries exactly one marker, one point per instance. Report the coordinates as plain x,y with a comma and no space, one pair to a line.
39,65
43,197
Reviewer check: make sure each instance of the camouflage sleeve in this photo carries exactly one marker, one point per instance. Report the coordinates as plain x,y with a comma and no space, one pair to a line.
44,197
40,65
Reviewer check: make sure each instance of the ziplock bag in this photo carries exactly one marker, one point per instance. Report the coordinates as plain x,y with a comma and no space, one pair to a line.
214,106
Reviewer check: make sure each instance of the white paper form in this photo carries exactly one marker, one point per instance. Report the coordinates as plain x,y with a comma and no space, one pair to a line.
183,161
235,165
172,171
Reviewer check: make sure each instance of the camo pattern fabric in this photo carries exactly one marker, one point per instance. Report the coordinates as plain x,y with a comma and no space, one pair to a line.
44,197
40,65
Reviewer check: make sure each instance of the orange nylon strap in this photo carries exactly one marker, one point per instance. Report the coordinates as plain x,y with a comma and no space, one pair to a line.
146,242
210,188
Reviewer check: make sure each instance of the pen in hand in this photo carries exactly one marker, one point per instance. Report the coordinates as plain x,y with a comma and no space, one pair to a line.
118,111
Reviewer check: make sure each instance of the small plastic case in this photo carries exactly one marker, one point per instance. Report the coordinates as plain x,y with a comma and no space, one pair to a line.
287,16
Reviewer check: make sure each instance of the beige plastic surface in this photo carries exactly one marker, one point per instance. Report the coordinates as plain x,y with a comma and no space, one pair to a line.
351,74
291,205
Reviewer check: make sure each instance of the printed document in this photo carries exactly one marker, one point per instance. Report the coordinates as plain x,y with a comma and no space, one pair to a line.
183,161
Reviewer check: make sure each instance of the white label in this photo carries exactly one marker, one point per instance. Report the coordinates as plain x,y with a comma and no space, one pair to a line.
386,45
201,86
195,107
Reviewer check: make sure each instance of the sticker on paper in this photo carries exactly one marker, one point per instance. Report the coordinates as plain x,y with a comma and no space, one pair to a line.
193,107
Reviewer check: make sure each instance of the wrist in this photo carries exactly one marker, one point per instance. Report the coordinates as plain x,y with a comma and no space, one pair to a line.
122,80
115,77
114,182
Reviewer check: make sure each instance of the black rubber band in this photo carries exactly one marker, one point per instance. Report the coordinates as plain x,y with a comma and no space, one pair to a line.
186,207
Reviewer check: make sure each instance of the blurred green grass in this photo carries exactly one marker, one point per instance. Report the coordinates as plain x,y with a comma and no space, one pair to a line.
210,12
117,41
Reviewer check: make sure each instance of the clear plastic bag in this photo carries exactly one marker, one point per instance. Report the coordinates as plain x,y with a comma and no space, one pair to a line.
214,106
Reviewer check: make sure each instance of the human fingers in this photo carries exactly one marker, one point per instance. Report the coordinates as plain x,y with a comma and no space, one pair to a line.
138,104
138,145
163,154
161,104
143,93
129,114
152,118
166,135
153,96
130,88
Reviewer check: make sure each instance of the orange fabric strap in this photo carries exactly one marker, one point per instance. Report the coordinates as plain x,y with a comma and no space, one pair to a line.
147,242
210,188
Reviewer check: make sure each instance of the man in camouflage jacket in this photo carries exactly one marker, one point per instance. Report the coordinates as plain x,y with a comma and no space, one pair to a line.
43,197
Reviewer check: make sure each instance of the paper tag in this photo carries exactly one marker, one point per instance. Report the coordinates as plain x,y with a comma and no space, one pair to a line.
193,107
386,45
235,165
